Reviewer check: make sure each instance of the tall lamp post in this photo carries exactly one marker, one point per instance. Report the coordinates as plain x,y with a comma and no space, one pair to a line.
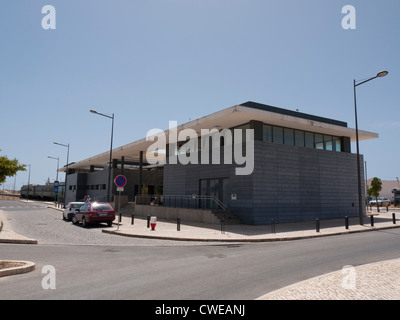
66,172
29,181
355,85
110,164
58,165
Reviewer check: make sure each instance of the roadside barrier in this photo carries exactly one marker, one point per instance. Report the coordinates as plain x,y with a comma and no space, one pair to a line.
222,226
317,227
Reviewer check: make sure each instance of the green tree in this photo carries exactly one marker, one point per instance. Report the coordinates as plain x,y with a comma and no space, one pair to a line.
375,189
9,168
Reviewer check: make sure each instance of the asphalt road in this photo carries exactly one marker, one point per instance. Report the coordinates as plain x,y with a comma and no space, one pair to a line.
92,265
34,220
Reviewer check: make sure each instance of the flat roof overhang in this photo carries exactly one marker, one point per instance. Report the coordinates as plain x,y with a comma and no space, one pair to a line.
232,117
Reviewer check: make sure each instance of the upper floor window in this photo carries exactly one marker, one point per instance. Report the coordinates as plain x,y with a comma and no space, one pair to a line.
300,138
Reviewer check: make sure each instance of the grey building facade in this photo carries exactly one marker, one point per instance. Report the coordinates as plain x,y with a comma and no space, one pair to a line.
94,183
291,181
288,184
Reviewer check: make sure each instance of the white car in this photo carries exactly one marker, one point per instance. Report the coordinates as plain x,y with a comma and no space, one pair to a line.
69,210
382,202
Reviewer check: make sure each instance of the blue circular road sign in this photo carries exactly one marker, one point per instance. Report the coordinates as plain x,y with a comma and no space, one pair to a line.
120,181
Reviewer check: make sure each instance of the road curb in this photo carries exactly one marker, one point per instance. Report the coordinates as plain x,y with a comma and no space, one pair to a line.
54,208
19,241
27,267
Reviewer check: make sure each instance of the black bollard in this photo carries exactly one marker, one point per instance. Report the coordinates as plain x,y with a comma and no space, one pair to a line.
178,224
133,218
148,221
394,218
222,226
372,220
317,224
346,222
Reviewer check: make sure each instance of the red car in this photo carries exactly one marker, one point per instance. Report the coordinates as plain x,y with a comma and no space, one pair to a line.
94,212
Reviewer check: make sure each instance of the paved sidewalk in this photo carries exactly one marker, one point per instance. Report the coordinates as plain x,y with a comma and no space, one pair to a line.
376,281
7,235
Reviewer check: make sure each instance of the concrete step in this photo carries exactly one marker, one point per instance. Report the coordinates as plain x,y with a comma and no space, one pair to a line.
228,216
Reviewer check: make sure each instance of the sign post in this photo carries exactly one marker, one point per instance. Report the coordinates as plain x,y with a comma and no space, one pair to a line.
55,189
120,182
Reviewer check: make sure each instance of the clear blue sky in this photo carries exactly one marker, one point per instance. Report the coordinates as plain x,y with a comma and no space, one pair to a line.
152,61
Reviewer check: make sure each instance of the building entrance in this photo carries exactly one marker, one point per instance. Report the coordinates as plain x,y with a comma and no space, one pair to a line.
214,188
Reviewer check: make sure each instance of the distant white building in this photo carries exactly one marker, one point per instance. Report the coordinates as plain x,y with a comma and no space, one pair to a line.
387,187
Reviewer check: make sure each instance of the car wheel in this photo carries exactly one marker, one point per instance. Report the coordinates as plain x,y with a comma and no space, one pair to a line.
84,223
74,220
109,223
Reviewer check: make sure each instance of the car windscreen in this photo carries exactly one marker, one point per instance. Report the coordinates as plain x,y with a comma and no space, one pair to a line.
76,205
101,207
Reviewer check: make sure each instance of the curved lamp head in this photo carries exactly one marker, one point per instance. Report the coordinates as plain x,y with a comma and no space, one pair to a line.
93,111
382,74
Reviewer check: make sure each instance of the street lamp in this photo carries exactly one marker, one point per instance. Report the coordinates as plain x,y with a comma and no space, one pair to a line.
66,172
109,166
355,84
29,181
58,162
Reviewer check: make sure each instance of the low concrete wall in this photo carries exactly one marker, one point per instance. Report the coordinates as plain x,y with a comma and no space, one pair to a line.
124,202
167,213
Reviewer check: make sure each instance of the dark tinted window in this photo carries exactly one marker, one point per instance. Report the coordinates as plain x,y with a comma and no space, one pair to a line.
277,134
288,136
319,141
267,133
328,143
309,140
336,144
299,138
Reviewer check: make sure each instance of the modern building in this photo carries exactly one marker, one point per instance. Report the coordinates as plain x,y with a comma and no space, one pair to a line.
300,167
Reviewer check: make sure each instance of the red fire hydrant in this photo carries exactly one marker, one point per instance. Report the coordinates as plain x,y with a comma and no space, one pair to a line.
153,222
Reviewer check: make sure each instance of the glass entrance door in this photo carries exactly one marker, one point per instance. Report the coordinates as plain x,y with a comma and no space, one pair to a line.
214,188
